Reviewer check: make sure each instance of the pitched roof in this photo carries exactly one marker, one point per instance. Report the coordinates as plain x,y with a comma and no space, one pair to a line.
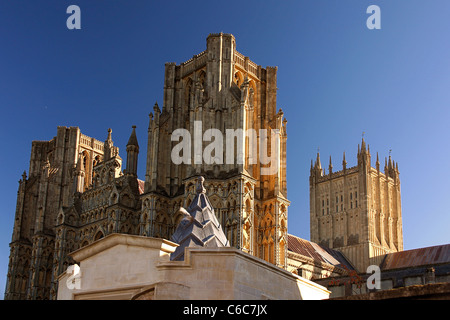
417,257
317,252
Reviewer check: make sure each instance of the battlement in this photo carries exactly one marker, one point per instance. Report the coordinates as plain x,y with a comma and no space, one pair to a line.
240,60
337,174
86,141
220,34
347,171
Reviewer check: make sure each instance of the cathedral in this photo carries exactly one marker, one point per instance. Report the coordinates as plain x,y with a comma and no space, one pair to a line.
78,189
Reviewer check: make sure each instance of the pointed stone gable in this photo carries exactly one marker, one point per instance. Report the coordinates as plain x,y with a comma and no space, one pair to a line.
199,227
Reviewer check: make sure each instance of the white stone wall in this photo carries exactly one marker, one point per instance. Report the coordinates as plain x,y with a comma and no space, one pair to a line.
125,267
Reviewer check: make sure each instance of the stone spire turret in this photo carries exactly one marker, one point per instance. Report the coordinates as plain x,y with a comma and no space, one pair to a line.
132,153
199,227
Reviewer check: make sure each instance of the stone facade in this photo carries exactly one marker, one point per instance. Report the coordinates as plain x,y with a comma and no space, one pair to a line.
357,210
53,179
77,192
223,90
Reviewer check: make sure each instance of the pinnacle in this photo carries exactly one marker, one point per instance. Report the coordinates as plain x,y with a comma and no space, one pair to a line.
133,139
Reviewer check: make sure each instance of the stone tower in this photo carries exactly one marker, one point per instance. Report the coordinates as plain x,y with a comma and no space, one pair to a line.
59,168
357,210
76,192
110,204
212,93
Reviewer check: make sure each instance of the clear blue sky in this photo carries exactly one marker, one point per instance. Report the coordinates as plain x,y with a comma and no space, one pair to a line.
336,79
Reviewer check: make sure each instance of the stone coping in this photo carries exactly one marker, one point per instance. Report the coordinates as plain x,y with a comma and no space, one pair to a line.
190,253
125,239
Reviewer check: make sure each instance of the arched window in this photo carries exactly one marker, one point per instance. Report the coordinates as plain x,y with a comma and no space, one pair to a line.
238,78
252,93
87,169
202,78
96,161
98,236
188,93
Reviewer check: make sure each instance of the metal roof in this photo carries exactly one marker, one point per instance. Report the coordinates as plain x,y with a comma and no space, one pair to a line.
417,257
317,252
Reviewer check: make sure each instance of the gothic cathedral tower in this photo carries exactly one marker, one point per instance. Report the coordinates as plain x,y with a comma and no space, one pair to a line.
76,192
357,210
59,168
220,89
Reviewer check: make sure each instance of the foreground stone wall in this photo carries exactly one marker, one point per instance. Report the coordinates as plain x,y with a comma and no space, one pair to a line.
229,273
132,267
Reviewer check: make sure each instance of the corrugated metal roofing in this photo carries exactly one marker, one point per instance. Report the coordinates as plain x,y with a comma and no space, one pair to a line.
417,257
316,252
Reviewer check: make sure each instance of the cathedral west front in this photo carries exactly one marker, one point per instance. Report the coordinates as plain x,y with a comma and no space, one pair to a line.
79,189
